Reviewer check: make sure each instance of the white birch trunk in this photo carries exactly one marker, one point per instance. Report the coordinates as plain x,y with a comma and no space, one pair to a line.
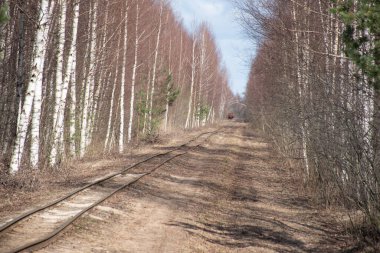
132,102
86,119
195,110
155,67
146,105
107,144
187,124
122,88
202,68
33,95
299,80
166,112
84,135
109,136
37,102
103,44
94,94
167,90
222,104
72,62
180,61
337,34
326,32
61,89
179,79
100,58
72,134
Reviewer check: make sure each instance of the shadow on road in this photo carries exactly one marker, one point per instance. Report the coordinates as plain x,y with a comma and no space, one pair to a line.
235,195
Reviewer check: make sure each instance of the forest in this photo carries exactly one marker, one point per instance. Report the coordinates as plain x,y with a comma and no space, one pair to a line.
80,77
314,88
115,108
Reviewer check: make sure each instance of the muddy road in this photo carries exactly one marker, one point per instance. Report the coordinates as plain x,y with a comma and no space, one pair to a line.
228,195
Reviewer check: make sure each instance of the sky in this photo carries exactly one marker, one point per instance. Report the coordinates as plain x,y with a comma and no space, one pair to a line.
235,48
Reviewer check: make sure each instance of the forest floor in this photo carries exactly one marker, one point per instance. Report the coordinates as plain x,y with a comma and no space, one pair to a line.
230,194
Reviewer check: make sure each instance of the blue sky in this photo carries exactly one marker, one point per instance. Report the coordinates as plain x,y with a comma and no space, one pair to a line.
221,16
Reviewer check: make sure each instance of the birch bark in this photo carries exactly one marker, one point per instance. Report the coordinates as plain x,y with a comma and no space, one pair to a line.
61,89
179,80
193,65
145,125
132,102
20,68
107,145
202,79
108,140
300,92
122,88
86,119
101,70
155,67
32,101
94,87
168,90
72,62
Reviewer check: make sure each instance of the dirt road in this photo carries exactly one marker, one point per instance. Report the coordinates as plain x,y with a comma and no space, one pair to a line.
228,195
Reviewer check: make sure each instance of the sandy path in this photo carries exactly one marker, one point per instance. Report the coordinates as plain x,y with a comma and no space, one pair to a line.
229,195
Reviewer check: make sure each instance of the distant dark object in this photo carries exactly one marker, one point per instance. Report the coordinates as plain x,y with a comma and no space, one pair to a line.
230,115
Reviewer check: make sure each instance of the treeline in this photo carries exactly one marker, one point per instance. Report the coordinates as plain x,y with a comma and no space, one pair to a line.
94,76
314,88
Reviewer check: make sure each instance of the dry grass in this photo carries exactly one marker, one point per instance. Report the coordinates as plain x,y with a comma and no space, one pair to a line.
330,200
228,195
31,188
366,235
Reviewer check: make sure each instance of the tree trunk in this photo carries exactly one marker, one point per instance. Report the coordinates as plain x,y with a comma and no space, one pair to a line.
32,99
132,102
193,65
62,86
202,69
107,143
72,62
155,68
122,83
108,140
168,90
86,118
301,95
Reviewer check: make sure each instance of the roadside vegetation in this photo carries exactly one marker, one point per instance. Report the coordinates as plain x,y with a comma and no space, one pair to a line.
81,78
314,88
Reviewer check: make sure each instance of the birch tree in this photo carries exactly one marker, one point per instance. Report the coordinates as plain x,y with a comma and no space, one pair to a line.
87,100
70,71
111,123
73,71
122,88
62,86
133,84
32,100
154,68
320,107
193,66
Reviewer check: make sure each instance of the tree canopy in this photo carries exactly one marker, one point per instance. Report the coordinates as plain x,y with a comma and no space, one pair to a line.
3,13
361,35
